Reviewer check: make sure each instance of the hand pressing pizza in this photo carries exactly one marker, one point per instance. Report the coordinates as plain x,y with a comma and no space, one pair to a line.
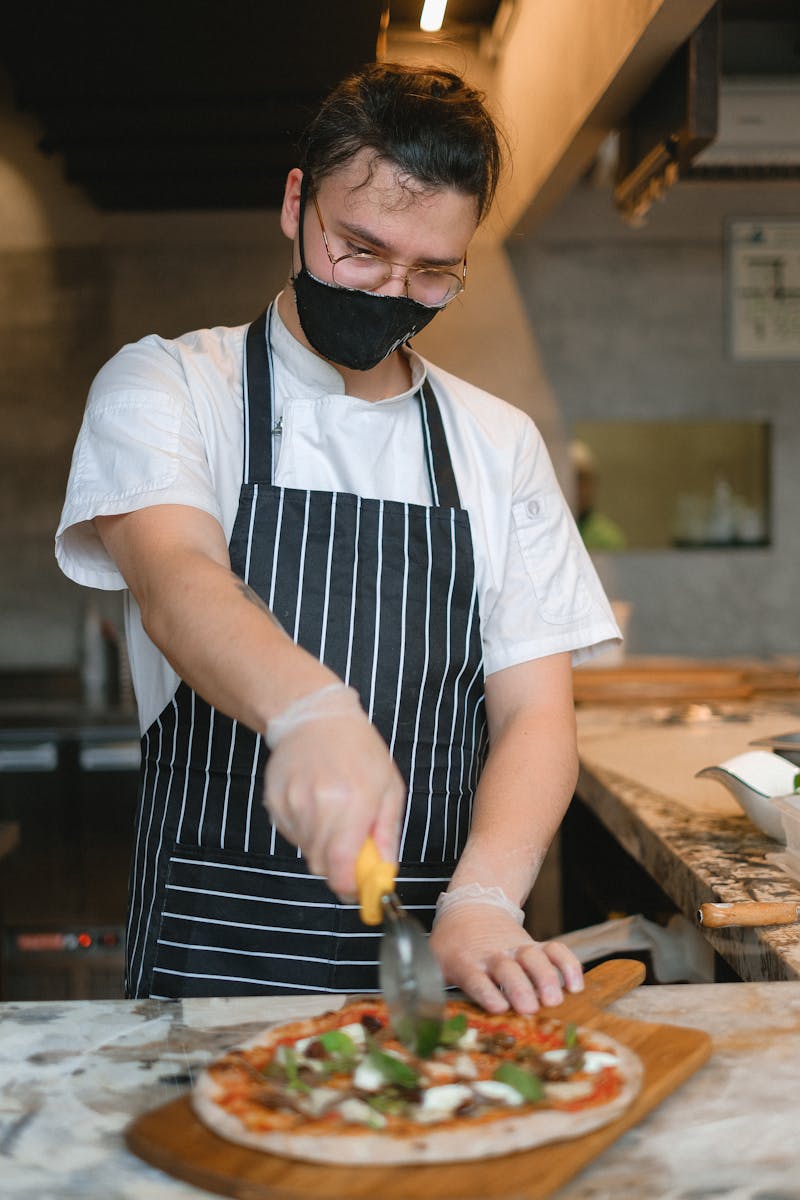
340,1088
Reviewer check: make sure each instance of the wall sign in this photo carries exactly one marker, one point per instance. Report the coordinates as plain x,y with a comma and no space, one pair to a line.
763,286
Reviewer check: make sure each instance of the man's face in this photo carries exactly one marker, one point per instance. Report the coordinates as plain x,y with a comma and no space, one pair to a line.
387,214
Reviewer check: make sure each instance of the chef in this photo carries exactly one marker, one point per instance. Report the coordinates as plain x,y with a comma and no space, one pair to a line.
354,592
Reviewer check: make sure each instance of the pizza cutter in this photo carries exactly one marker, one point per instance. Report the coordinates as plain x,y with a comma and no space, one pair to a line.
410,978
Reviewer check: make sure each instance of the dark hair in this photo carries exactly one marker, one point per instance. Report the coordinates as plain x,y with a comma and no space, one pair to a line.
425,120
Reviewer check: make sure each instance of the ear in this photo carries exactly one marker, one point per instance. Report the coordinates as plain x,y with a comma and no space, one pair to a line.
290,209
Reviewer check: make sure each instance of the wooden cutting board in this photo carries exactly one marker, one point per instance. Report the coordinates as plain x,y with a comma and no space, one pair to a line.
173,1139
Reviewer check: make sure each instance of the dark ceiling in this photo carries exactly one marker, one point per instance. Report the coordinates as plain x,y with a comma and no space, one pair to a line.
190,104
197,104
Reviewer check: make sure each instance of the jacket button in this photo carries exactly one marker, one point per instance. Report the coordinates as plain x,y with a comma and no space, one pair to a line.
533,508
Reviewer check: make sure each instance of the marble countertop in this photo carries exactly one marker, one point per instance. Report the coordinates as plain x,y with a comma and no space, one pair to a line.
73,1074
637,775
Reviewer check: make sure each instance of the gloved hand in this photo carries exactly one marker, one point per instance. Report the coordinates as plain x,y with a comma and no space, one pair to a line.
483,949
330,782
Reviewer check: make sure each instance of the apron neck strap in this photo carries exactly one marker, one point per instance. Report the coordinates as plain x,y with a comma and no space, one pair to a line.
258,423
437,455
257,396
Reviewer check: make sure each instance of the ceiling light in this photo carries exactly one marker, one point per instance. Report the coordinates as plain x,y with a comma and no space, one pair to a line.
432,15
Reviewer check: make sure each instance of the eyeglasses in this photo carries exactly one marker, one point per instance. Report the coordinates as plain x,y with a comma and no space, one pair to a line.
364,272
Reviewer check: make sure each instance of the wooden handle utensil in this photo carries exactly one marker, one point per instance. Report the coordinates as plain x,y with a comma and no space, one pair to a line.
748,912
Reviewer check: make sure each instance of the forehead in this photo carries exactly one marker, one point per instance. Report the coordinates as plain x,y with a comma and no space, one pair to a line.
372,195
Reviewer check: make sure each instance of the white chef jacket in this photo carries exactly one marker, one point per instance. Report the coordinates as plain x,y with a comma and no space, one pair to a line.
163,425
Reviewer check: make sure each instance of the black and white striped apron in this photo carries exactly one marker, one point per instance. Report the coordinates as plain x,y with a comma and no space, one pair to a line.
384,593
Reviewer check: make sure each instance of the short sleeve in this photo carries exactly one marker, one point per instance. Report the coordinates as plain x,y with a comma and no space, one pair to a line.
138,446
550,600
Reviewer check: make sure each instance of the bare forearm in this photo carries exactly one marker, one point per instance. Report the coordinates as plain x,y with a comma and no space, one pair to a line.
212,628
225,643
524,791
526,786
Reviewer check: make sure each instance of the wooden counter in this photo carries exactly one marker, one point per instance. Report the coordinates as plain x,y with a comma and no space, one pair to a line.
637,776
652,679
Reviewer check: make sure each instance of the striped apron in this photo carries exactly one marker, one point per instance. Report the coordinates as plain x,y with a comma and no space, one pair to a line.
382,592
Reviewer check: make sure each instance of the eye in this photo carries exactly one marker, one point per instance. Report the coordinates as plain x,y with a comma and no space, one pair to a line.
359,250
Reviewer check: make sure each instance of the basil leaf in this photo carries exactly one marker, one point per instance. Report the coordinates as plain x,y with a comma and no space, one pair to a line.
290,1066
389,1102
336,1042
453,1029
528,1085
570,1036
419,1034
429,1035
393,1070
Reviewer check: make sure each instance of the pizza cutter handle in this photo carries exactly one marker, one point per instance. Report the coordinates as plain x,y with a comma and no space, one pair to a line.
374,878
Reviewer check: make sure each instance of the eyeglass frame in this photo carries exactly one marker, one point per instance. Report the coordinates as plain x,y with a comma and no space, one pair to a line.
462,282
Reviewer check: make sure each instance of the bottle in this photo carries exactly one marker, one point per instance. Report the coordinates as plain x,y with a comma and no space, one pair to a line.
722,518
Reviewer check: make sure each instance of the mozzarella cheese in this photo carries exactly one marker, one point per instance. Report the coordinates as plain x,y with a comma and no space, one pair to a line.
593,1060
367,1077
502,1093
439,1103
357,1112
468,1039
318,1101
355,1032
596,1060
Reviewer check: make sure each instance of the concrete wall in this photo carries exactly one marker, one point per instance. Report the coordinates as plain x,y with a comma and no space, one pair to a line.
631,325
76,284
623,323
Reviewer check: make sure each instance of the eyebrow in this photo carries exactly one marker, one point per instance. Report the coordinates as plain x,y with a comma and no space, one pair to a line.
364,235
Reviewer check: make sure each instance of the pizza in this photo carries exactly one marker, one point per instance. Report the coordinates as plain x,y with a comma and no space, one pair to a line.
340,1088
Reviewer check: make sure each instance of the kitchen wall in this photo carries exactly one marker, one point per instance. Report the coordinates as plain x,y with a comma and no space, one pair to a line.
624,323
75,285
631,326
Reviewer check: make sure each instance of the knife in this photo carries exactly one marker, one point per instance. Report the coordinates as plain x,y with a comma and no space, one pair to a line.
748,912
410,978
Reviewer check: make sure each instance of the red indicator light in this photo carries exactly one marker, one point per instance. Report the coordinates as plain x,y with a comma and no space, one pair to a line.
84,940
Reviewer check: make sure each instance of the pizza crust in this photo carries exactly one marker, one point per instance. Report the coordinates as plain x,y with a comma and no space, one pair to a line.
490,1137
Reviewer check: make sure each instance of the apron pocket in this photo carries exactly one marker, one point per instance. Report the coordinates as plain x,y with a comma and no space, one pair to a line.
418,885
235,924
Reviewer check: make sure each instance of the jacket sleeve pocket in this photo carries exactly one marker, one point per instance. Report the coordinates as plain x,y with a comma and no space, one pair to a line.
553,555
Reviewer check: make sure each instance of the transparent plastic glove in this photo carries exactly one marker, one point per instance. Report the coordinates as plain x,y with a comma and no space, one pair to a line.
330,782
483,949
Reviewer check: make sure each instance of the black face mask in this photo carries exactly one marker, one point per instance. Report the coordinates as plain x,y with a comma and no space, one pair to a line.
353,329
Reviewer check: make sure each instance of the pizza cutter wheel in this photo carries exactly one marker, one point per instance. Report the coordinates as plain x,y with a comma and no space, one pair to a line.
410,978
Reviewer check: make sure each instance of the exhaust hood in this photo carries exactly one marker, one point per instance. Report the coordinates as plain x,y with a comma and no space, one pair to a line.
758,127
